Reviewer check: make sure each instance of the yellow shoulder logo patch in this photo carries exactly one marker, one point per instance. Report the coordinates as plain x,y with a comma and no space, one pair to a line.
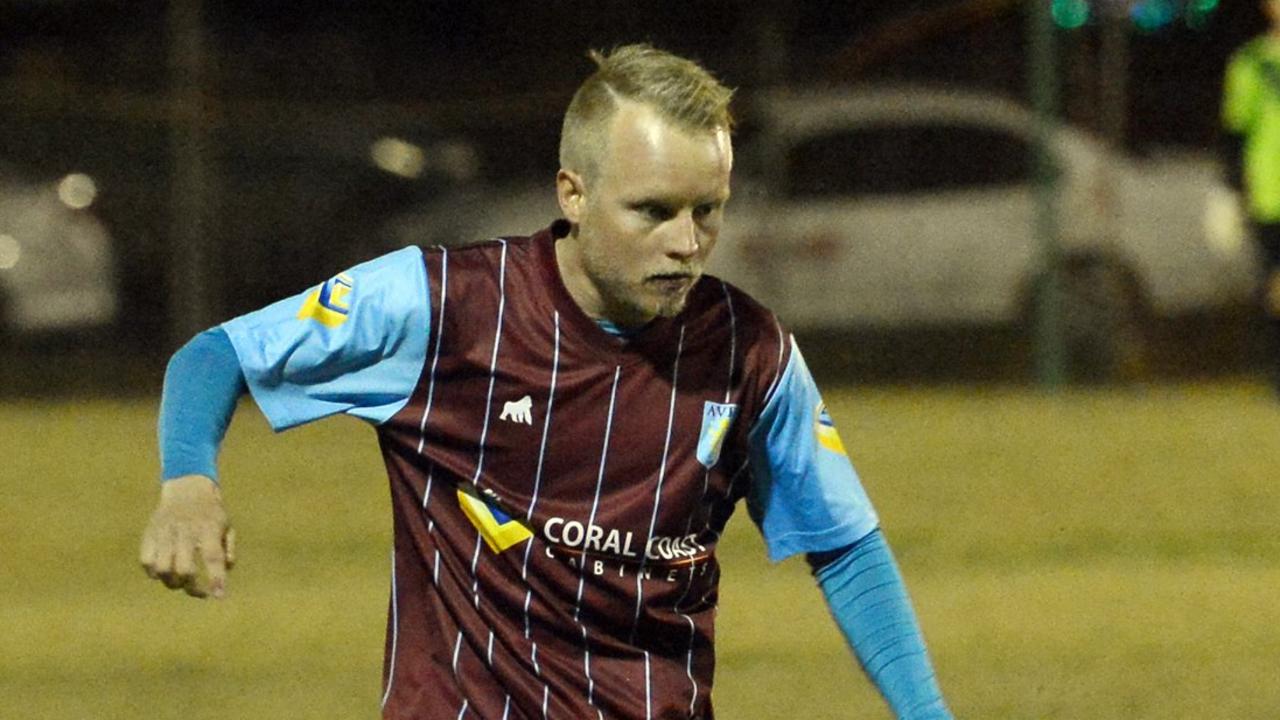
498,529
330,303
825,430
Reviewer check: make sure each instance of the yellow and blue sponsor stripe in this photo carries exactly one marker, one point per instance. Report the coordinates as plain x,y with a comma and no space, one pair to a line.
825,430
329,304
499,530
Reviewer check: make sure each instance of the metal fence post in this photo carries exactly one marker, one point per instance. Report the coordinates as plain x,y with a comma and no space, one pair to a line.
1049,341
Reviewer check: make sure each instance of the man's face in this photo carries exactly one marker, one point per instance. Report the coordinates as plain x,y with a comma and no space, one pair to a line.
646,219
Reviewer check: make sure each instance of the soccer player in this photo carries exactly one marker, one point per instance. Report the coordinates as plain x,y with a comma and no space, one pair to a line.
1251,120
568,420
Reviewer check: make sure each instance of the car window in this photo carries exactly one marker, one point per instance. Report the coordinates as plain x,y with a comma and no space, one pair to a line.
905,159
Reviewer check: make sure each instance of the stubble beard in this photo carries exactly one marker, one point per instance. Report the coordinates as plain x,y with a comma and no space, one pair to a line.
632,303
670,307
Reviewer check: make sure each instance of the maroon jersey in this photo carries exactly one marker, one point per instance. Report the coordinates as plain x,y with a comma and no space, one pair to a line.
559,492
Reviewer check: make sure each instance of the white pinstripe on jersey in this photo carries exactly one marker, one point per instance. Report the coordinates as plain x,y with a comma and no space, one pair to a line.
657,491
595,506
475,580
426,493
493,361
740,474
546,427
533,501
435,358
706,480
457,648
484,433
395,630
733,339
648,688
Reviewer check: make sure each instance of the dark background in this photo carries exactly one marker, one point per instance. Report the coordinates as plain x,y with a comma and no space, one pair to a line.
292,89
351,51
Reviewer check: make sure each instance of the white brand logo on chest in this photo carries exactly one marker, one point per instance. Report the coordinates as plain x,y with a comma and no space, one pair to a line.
518,411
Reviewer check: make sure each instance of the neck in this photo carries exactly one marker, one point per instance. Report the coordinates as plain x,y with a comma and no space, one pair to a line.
584,291
569,263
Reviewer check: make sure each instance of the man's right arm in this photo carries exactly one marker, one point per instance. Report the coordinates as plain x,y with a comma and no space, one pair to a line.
356,345
189,529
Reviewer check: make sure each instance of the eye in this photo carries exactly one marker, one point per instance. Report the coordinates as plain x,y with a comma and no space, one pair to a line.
705,209
654,211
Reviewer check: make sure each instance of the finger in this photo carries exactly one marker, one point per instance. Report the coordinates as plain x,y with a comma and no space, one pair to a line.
229,546
162,553
147,551
184,555
214,558
171,580
194,587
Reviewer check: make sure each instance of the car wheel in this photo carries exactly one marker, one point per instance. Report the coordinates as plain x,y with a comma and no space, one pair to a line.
1107,327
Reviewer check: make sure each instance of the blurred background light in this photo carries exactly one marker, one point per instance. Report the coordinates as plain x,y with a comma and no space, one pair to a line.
1151,15
1198,13
1070,14
10,252
398,157
458,160
1147,15
77,191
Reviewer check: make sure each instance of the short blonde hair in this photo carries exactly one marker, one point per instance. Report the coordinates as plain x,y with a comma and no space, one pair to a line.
681,91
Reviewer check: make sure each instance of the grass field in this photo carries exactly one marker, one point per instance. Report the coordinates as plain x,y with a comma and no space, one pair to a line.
1088,555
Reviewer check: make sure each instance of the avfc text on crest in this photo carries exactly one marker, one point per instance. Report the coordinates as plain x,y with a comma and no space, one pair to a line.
717,418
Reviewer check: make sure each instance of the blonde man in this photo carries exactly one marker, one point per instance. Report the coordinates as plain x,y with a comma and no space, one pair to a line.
568,420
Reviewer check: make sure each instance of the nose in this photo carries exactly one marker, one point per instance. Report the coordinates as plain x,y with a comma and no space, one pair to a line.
683,240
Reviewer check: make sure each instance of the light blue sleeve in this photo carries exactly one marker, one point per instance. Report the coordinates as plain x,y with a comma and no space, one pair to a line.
355,344
805,494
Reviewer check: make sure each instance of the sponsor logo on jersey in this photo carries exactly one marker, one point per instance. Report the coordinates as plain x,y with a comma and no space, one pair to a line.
825,429
597,539
716,421
330,303
499,530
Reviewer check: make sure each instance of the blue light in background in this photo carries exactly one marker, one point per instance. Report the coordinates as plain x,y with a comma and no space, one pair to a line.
1151,15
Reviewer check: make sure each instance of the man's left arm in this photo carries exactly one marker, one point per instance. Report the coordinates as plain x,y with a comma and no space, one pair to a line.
807,498
868,599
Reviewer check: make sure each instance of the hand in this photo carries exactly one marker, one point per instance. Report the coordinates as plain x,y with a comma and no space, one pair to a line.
188,533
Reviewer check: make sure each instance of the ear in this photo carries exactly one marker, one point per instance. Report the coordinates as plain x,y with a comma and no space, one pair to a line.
570,193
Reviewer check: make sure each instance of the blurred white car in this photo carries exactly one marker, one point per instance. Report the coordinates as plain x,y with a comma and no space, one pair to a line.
877,208
56,270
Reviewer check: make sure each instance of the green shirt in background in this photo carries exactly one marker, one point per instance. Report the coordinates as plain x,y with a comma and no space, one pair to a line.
1251,110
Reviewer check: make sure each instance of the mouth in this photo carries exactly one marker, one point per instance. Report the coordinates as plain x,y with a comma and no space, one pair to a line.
672,283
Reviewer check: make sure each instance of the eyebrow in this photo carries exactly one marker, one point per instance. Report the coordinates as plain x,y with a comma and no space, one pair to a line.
672,201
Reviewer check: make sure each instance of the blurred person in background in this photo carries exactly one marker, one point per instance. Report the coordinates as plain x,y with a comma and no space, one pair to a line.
568,421
1251,121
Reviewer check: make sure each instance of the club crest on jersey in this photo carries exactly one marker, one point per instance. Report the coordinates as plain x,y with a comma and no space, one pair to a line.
717,418
499,530
330,303
825,430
